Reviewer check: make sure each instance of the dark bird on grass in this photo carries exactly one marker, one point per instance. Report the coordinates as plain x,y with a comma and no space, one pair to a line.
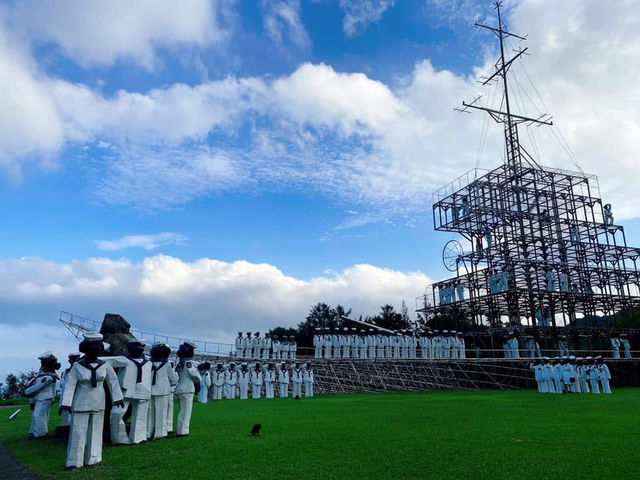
255,430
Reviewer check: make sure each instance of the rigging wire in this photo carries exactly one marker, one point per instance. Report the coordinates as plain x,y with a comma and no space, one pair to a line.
555,130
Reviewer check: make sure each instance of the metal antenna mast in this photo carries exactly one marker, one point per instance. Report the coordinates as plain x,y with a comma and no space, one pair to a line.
510,120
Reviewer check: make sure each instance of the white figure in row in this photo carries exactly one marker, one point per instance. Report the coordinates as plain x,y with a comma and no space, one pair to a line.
267,347
228,382
404,344
571,375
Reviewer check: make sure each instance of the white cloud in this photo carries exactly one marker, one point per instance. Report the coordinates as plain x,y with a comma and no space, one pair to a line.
30,123
359,14
205,299
282,22
147,242
94,32
377,147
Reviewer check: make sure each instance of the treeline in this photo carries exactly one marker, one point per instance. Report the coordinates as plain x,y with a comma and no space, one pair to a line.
324,316
14,385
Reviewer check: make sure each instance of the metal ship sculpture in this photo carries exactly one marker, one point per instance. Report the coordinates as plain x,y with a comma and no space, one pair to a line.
538,245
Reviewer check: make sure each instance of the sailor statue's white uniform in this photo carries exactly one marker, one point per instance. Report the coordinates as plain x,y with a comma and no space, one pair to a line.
244,377
247,346
266,347
547,378
239,346
205,384
188,376
594,378
230,383
269,382
537,369
42,390
256,383
615,347
218,383
134,376
345,345
283,380
308,382
317,346
326,343
277,348
379,346
335,344
557,377
604,376
65,415
84,394
583,373
163,380
297,378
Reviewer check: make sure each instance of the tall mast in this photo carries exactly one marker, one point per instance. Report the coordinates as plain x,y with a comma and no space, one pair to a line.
511,129
510,120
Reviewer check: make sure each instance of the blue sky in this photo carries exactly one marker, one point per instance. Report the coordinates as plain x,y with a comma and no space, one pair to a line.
217,165
53,214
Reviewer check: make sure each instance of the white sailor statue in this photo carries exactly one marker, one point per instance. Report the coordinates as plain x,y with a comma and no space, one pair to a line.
277,346
218,381
603,374
269,376
317,343
188,376
163,380
307,376
239,345
84,396
247,345
41,389
607,214
244,377
297,377
230,382
256,380
134,376
205,382
593,375
66,416
283,380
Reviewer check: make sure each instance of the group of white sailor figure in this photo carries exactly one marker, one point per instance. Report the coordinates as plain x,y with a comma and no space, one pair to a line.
571,375
267,347
229,382
404,344
148,387
619,342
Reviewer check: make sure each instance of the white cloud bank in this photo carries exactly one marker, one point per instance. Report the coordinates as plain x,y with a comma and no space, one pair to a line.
97,32
205,299
146,242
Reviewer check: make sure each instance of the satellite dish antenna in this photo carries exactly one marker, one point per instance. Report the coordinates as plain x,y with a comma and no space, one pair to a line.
452,255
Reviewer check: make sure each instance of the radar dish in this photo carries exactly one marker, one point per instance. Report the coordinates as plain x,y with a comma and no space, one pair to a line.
451,255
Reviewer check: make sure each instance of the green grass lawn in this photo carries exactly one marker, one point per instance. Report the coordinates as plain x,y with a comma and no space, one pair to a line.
452,435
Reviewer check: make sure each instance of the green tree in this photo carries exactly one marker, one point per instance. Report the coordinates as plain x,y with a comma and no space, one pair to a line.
320,316
390,319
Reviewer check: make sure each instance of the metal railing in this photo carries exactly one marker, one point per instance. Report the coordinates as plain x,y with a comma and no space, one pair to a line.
77,324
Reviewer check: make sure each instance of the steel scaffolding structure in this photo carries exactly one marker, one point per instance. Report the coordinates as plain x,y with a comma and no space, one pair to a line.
539,246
